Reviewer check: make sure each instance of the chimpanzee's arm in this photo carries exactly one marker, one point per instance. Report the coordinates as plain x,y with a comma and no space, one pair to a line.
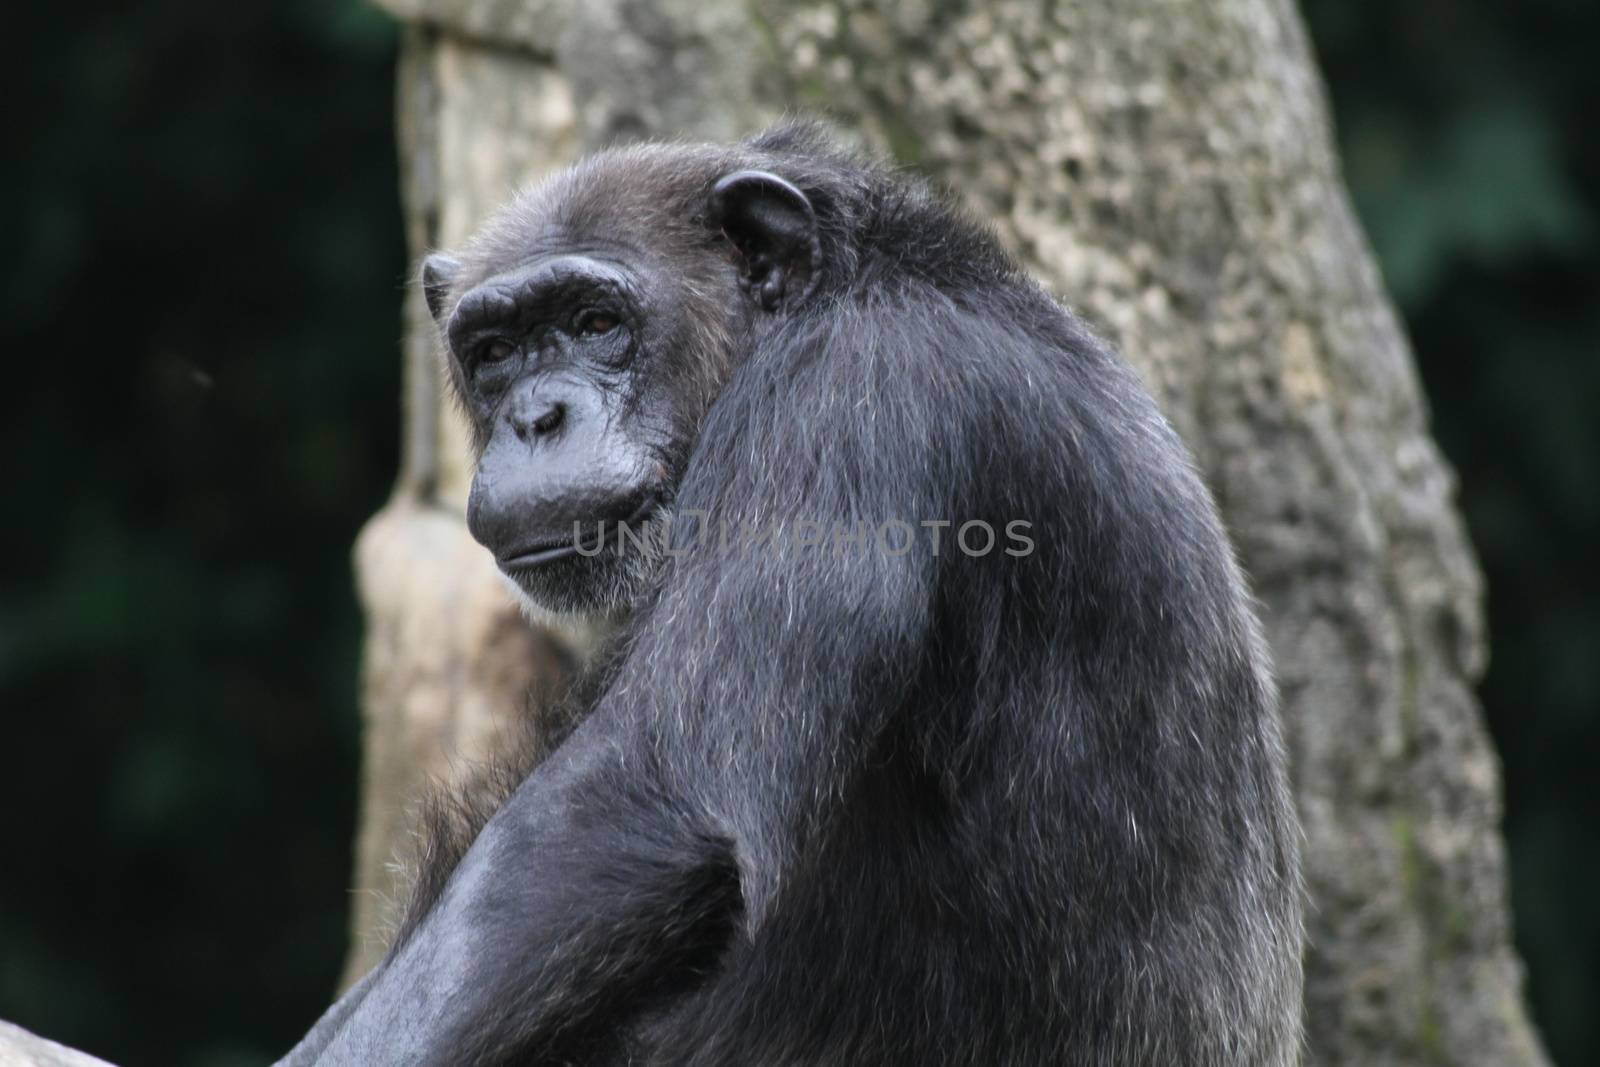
574,897
318,1037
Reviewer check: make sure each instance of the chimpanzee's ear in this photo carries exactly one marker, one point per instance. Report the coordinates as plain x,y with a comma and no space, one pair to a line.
438,272
772,225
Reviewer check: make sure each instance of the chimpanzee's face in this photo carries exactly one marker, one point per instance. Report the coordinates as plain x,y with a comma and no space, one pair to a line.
586,342
565,363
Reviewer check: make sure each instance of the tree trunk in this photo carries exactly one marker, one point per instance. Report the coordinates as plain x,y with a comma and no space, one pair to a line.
1167,167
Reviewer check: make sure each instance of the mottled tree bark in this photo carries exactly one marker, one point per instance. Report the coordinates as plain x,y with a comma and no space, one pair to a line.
1167,168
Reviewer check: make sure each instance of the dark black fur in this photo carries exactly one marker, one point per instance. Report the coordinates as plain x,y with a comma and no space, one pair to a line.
846,807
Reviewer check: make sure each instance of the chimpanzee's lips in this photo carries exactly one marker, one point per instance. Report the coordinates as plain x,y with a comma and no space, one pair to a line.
538,556
589,542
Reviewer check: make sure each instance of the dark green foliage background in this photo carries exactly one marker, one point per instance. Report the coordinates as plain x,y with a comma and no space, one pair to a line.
200,308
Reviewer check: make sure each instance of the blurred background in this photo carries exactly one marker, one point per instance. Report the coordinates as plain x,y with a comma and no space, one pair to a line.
201,307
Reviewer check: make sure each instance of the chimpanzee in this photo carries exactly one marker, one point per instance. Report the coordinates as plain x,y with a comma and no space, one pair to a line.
940,730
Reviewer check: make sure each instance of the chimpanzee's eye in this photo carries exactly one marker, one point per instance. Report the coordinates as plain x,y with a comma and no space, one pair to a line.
495,351
595,323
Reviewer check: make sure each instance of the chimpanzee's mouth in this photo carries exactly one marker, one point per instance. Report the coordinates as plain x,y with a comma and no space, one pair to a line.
590,539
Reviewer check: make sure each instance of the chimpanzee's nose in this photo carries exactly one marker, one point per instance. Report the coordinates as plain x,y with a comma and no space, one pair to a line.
533,416
547,423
